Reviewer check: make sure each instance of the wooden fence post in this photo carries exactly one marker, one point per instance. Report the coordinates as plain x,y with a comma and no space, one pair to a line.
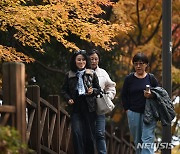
33,93
111,140
14,93
55,101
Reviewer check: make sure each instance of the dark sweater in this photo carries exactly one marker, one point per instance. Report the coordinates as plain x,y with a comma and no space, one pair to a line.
132,94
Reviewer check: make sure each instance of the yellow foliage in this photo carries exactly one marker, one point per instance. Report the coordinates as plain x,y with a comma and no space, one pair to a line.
35,25
10,54
176,75
117,116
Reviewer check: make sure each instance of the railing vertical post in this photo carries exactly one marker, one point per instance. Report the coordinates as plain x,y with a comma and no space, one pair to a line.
33,93
14,93
111,139
55,101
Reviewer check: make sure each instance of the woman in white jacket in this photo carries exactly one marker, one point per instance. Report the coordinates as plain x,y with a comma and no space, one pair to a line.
108,86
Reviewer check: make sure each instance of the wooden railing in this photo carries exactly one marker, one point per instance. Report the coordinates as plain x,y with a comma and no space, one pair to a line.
13,110
43,125
48,129
118,145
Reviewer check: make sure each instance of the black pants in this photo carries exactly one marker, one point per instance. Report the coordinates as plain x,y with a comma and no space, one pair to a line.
83,129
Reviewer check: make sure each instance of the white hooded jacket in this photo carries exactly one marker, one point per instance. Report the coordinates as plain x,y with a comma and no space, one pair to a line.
106,83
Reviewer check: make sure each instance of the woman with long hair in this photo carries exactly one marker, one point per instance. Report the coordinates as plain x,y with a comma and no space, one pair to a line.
80,88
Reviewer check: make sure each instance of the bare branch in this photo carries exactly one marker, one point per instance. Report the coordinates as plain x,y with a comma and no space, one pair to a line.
175,28
139,23
132,39
49,68
154,32
176,46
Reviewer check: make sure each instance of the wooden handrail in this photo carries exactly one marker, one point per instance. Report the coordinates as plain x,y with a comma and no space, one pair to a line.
44,125
46,103
8,108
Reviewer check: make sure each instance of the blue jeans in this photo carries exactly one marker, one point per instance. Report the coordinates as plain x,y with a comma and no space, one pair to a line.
143,134
83,131
100,134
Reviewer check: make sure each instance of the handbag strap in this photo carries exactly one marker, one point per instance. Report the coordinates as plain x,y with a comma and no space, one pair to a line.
101,93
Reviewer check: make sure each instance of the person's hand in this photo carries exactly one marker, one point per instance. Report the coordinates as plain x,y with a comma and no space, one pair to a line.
90,91
148,94
71,101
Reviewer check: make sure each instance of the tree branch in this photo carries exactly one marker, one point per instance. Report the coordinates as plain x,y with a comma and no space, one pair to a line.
132,39
176,46
154,32
175,28
139,23
49,68
43,65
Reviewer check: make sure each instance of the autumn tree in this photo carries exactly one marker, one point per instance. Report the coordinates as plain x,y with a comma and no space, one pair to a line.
146,17
43,32
32,25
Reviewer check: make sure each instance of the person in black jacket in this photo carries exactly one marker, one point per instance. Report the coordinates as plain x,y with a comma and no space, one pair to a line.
134,95
80,88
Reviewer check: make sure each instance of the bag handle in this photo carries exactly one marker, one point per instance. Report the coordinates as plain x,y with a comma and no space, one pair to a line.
101,93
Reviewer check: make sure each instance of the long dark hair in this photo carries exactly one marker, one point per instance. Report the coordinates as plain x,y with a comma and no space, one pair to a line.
73,66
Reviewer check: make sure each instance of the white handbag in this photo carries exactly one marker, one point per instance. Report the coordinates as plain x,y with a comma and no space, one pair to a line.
104,104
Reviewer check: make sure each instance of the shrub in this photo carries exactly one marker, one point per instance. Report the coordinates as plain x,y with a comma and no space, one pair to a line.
10,141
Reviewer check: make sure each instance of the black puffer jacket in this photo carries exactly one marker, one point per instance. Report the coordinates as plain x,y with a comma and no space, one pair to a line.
69,88
159,108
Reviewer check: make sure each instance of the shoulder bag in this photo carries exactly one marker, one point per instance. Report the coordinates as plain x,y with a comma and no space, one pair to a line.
104,104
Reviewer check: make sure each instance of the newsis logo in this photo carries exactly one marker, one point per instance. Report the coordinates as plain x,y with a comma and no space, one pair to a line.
155,145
